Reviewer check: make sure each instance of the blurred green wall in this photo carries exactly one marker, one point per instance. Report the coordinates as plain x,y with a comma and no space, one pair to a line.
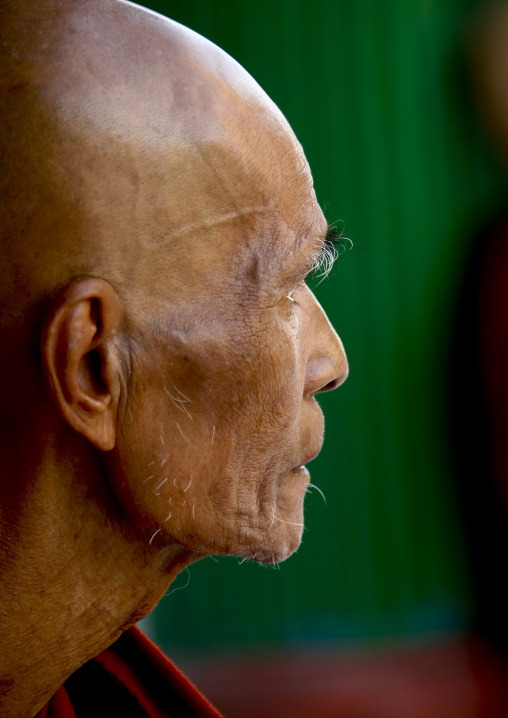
377,95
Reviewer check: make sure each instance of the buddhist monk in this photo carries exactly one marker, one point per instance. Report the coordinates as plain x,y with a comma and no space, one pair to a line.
161,353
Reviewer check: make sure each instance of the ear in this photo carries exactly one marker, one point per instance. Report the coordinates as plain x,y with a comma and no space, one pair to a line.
80,358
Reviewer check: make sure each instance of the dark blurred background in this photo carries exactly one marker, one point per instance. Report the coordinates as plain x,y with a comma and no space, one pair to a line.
378,94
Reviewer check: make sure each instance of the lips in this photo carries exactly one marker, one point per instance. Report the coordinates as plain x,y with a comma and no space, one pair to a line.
308,457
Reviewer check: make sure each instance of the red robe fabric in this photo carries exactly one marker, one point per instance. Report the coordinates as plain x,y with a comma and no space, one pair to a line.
131,678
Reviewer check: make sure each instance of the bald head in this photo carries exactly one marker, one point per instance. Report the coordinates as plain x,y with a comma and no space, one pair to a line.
122,132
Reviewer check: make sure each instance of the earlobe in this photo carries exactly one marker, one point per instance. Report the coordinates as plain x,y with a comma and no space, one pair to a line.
80,358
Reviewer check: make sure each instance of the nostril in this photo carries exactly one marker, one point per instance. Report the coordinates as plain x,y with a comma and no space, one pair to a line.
324,375
338,377
335,382
332,385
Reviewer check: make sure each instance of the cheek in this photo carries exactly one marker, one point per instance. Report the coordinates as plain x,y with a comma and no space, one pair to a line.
206,442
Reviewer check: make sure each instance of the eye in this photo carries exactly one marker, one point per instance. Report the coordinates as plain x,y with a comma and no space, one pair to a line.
290,294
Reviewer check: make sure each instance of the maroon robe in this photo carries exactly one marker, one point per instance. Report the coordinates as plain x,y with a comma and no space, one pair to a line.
131,678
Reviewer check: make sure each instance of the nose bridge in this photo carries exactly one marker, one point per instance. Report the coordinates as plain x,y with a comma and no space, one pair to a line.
327,366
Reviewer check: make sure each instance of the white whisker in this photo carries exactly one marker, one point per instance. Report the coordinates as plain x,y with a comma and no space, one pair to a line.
175,399
291,523
155,534
313,486
179,588
187,412
179,403
162,441
169,516
161,484
164,461
213,433
181,432
148,478
185,398
190,482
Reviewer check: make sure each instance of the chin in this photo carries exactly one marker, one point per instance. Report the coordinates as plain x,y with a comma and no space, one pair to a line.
273,542
276,553
282,532
278,540
268,534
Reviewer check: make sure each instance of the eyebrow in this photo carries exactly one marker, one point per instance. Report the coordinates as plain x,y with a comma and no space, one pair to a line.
325,253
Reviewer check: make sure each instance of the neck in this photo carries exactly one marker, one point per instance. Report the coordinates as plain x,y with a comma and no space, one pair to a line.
74,572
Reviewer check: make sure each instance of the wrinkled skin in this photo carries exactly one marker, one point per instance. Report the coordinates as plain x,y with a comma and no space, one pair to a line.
158,220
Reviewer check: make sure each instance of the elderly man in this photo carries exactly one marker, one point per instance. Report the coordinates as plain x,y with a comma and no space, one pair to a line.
161,352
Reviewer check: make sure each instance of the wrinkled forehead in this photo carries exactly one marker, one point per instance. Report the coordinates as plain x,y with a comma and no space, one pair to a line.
158,143
182,127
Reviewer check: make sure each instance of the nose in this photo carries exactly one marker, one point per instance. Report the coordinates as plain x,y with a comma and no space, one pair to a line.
327,366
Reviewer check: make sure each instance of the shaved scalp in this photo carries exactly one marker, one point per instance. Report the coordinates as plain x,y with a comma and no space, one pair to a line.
112,116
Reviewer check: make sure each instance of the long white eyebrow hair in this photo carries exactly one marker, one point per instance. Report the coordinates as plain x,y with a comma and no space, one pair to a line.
333,244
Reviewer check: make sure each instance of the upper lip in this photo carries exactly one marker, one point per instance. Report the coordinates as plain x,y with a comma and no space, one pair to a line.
308,457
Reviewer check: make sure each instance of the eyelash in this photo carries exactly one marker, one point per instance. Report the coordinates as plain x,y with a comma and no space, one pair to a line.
334,244
325,259
289,295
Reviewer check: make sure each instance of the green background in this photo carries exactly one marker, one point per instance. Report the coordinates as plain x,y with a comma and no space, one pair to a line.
377,94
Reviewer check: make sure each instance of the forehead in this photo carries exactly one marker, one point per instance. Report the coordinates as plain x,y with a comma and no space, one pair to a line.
265,222
164,176
257,192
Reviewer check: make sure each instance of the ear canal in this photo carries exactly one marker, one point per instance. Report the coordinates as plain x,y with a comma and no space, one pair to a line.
94,363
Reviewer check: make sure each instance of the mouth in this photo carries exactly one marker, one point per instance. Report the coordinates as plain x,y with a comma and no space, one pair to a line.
307,459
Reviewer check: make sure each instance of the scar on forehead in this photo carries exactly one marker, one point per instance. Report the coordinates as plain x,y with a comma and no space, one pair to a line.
207,224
